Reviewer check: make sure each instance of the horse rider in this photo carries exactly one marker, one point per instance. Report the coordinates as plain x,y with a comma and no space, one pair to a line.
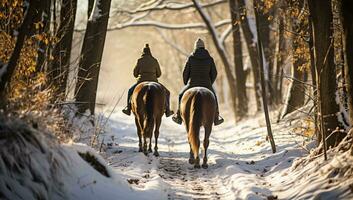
147,69
199,71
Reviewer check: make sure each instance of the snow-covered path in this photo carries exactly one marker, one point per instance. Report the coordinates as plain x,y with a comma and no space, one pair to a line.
241,163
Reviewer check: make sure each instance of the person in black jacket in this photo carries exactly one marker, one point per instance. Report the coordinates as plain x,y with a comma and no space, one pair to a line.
200,71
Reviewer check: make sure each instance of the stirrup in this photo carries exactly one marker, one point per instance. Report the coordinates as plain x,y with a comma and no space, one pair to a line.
177,119
127,111
219,120
169,113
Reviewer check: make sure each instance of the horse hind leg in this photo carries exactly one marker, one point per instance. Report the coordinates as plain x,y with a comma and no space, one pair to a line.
145,144
139,134
156,135
195,144
149,135
206,142
191,158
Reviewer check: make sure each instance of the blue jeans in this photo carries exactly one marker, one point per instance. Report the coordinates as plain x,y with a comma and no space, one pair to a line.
129,94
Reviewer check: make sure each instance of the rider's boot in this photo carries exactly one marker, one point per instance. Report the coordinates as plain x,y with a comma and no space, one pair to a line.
177,118
127,109
168,112
218,119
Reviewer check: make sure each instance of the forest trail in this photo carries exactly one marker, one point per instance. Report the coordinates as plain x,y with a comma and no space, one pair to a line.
241,164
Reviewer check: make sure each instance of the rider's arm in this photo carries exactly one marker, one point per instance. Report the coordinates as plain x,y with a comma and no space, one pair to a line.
186,73
158,70
137,69
213,71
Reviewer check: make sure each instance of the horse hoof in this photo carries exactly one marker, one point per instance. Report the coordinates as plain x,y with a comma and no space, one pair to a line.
191,161
205,166
140,150
197,166
149,150
156,153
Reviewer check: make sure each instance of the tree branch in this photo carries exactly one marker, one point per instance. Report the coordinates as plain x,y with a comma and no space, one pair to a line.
173,45
163,25
169,6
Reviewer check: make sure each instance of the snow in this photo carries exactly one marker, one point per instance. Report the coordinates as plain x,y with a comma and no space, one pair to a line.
251,19
97,12
342,115
241,165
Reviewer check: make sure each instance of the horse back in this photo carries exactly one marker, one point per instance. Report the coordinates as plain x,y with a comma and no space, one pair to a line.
199,105
148,97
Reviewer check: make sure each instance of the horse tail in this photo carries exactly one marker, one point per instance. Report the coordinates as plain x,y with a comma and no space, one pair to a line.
148,119
195,123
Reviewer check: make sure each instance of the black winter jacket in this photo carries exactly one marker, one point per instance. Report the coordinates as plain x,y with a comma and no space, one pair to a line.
200,69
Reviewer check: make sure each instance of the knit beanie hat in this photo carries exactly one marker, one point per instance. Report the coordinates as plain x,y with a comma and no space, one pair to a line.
199,44
146,50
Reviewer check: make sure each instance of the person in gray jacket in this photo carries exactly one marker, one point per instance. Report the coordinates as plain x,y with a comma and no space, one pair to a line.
147,69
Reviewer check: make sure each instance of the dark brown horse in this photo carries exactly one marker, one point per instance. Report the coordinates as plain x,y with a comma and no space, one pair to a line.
198,108
148,105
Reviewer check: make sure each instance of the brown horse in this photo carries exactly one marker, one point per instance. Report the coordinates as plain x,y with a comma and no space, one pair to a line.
198,108
148,105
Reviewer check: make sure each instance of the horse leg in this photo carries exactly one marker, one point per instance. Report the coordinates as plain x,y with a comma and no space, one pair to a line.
196,154
191,158
206,142
156,135
150,131
145,145
139,134
150,145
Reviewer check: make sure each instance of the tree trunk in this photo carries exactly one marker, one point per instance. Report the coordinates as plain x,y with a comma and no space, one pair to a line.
347,16
321,15
313,80
91,56
10,68
264,96
280,56
45,19
62,50
295,97
252,48
221,52
242,100
264,31
90,8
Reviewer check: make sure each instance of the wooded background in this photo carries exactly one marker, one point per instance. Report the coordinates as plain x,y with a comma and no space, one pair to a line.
50,60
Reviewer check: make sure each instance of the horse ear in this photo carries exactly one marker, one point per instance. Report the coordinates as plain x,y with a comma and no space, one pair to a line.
147,46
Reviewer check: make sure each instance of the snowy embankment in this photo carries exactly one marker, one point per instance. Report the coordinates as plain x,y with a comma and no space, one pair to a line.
241,165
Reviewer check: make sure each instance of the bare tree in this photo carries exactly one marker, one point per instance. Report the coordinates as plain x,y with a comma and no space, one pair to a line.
296,92
62,50
321,15
347,16
265,32
91,56
252,48
263,84
221,51
242,100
